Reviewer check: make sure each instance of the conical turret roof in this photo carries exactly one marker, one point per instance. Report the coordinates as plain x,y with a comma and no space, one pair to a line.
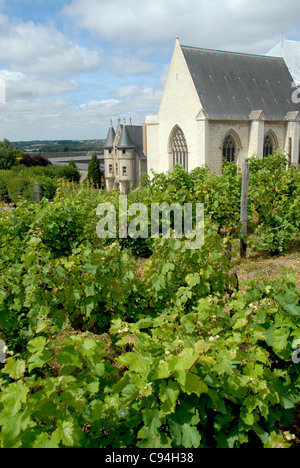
125,141
109,144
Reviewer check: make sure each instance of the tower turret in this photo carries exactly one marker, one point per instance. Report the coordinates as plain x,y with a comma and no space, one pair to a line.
109,157
126,158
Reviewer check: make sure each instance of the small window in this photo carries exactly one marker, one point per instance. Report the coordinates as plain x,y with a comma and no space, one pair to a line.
124,171
117,169
124,151
110,151
110,169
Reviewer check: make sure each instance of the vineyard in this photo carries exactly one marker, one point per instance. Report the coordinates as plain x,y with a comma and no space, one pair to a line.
125,343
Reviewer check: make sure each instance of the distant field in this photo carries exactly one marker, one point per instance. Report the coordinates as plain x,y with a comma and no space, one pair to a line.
62,146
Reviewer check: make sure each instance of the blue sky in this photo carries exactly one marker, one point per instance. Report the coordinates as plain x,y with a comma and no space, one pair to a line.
68,67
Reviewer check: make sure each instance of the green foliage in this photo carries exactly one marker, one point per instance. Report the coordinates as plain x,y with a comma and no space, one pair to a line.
274,198
12,188
18,183
203,378
209,379
69,173
94,173
101,355
8,155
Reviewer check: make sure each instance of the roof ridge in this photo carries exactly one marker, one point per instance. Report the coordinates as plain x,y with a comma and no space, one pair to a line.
230,52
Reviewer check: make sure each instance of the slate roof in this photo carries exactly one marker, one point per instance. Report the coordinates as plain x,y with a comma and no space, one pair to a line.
109,144
125,141
231,85
132,137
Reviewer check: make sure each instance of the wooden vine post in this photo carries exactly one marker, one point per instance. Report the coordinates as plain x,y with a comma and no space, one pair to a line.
37,196
244,208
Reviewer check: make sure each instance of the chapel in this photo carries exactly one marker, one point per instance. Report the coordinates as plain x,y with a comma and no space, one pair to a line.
220,105
216,106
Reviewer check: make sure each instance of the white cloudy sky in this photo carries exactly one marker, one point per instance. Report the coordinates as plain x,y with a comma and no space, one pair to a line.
71,65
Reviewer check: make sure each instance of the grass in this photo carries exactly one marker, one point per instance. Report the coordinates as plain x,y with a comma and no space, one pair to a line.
266,267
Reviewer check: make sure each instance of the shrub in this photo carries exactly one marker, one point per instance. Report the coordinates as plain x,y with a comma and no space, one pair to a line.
94,173
8,155
273,198
31,160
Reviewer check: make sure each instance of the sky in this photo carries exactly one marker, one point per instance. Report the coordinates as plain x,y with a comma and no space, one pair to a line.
69,66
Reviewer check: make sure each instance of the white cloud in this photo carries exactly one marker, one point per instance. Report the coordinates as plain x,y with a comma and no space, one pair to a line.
96,106
22,86
38,49
139,97
128,65
230,24
126,91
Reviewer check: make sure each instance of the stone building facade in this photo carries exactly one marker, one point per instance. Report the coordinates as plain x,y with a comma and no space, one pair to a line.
124,156
222,105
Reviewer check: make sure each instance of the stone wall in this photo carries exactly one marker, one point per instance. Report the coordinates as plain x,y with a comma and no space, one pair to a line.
180,106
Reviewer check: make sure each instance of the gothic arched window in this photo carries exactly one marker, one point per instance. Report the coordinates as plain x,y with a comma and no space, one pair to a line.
268,146
229,149
180,149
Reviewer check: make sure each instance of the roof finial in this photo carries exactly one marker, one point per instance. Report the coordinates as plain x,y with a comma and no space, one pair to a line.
124,121
119,120
130,121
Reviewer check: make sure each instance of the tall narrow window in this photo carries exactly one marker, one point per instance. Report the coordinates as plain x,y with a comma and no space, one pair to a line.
180,149
268,146
229,149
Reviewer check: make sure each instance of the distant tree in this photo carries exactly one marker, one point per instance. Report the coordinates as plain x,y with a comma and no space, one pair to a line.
9,155
94,173
72,164
30,160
